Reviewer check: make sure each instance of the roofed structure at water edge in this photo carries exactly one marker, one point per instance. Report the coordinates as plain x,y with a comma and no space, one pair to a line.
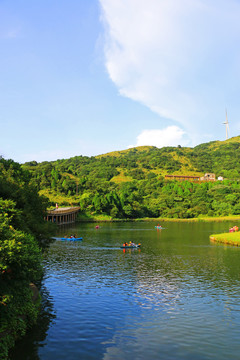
61,216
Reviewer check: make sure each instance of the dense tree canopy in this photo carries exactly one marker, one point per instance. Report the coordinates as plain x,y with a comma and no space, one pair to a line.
23,235
30,208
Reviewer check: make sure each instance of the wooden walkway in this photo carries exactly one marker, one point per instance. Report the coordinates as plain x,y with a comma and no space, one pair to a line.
66,215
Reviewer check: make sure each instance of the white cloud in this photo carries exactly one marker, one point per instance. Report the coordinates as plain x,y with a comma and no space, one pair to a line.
179,58
170,136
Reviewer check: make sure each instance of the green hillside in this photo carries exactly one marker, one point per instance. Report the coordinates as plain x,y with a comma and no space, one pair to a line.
130,183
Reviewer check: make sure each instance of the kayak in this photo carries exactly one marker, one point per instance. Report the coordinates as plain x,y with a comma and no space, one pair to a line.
159,227
72,239
130,246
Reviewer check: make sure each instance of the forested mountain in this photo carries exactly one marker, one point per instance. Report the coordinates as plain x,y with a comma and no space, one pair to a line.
130,183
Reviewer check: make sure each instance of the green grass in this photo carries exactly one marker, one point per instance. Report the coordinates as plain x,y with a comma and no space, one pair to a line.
219,218
198,219
102,217
121,152
227,238
93,218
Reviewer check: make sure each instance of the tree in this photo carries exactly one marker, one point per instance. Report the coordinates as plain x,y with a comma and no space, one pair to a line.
20,264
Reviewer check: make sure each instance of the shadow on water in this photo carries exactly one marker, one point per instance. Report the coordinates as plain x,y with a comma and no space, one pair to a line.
27,347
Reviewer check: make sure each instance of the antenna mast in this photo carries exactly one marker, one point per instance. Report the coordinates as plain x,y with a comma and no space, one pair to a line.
227,126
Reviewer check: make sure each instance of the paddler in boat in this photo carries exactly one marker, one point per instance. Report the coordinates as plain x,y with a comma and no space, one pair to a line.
125,244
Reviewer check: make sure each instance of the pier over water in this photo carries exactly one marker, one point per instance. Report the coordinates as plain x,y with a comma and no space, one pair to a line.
64,215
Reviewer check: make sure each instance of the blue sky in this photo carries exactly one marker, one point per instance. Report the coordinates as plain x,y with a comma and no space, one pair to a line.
86,77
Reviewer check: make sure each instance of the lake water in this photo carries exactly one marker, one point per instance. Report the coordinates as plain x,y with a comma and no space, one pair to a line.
178,297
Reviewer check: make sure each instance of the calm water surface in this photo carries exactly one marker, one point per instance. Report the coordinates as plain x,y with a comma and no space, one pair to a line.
176,298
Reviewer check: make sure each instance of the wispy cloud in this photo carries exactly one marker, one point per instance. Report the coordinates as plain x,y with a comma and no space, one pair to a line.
179,58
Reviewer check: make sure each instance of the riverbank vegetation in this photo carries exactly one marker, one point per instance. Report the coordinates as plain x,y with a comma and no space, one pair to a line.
131,184
23,237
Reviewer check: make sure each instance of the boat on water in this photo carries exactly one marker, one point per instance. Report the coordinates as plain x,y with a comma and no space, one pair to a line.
129,246
71,238
159,227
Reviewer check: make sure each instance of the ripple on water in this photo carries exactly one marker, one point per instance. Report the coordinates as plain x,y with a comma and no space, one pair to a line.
176,298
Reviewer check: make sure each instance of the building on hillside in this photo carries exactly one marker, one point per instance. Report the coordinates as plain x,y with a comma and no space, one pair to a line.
208,177
182,177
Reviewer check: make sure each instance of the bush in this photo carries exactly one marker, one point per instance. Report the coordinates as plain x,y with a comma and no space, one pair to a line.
20,264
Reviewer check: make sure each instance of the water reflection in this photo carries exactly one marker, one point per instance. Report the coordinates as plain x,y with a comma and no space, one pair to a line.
28,347
178,297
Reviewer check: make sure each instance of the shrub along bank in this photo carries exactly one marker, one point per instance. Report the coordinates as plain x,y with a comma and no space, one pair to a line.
20,264
22,234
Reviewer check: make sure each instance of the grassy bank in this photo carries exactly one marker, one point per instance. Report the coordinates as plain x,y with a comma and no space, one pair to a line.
107,218
227,238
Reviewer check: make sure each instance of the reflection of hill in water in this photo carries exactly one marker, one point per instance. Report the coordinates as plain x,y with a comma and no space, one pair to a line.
27,348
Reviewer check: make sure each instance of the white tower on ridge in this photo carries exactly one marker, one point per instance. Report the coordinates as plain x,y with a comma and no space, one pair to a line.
227,126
